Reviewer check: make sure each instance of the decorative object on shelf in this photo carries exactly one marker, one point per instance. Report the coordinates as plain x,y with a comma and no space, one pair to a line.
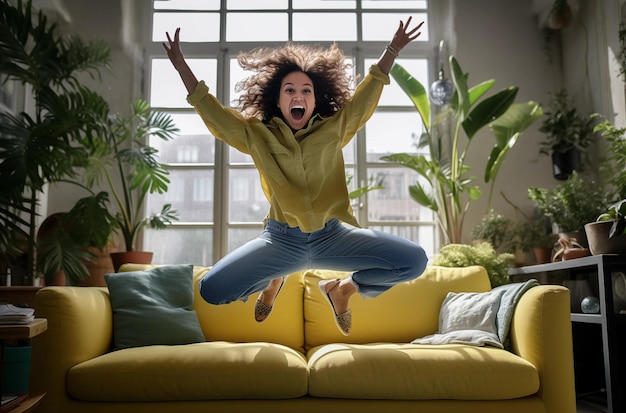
568,136
441,90
445,185
569,249
590,305
579,289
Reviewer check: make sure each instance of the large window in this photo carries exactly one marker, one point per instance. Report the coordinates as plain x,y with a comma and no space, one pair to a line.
215,188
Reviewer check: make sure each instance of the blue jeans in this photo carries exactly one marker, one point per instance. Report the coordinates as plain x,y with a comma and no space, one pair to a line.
379,260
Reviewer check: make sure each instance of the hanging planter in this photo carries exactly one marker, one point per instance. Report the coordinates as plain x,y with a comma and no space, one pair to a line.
568,135
564,163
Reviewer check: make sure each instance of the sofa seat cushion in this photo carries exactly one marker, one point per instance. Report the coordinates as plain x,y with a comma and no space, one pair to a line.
419,372
200,371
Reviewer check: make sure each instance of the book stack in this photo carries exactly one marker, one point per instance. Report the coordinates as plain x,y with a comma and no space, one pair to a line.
10,314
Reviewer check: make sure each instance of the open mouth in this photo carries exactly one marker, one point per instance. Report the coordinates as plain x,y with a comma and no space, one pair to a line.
297,112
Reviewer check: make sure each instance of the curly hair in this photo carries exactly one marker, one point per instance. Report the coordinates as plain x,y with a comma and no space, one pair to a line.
327,69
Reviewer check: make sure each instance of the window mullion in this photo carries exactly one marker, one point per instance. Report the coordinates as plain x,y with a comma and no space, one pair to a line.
220,196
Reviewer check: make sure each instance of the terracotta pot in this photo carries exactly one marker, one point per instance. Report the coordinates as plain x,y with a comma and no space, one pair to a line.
135,257
599,241
543,255
102,264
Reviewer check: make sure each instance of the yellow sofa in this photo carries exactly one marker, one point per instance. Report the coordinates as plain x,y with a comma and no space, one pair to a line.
297,360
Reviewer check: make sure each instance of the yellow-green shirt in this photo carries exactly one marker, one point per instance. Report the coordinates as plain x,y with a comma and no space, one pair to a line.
302,174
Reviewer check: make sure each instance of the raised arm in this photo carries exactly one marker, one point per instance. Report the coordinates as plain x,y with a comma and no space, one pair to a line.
175,55
401,38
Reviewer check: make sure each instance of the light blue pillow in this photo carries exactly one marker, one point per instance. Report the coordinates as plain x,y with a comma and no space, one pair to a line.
153,307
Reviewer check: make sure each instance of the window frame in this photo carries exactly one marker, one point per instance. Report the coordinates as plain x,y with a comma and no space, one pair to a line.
223,51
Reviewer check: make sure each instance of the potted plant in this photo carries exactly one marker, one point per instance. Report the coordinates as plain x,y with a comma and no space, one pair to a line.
606,235
533,235
123,146
49,144
481,253
568,135
571,204
496,229
449,188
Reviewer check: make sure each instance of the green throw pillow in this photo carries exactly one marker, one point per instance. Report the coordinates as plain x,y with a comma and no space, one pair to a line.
153,307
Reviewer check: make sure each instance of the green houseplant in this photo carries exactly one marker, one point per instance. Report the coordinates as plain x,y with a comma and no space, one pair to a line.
123,146
483,254
606,235
449,187
572,203
49,144
568,135
498,230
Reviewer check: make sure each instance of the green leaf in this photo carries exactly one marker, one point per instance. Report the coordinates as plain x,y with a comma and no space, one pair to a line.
507,129
422,197
517,119
478,91
414,90
488,111
460,84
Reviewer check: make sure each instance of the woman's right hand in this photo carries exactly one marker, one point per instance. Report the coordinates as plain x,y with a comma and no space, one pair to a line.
177,58
174,51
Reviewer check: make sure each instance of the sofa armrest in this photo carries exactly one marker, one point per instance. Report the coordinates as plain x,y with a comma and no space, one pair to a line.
80,327
541,332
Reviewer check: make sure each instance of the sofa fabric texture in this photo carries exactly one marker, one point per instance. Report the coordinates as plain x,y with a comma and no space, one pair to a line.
297,360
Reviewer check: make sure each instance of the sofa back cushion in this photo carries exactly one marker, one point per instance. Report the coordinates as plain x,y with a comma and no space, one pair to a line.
405,312
235,321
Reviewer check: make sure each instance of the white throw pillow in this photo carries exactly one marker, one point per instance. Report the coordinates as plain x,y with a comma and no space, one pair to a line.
469,311
467,318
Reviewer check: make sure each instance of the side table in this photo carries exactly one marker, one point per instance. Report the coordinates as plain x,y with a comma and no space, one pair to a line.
20,332
598,274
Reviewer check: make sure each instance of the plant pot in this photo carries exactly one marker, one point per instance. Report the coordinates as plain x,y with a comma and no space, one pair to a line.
100,265
543,255
564,163
599,241
135,257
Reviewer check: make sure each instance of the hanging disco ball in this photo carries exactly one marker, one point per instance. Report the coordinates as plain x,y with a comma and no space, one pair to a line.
441,90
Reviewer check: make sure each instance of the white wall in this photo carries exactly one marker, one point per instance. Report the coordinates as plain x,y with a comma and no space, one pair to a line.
119,24
501,40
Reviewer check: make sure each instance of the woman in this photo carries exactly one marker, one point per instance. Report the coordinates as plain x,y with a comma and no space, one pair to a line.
294,117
